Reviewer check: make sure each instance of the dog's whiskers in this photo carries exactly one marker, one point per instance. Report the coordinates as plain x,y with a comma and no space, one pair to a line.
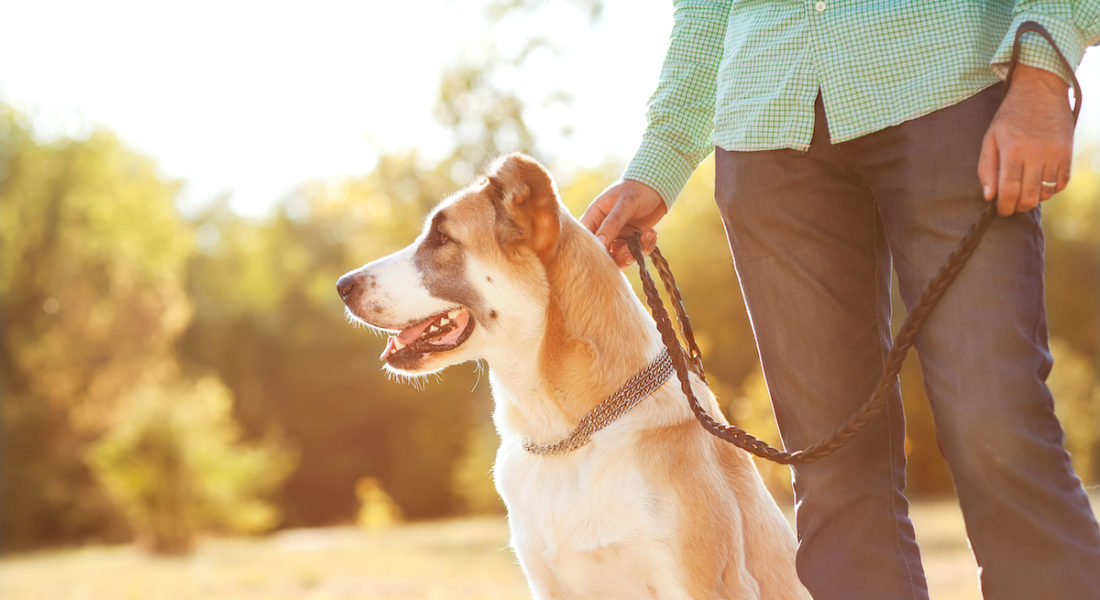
358,323
416,380
479,368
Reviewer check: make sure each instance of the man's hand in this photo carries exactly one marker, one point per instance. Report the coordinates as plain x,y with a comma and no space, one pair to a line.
620,210
1030,141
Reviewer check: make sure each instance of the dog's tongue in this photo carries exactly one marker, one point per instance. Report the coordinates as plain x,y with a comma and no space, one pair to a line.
411,334
406,337
390,348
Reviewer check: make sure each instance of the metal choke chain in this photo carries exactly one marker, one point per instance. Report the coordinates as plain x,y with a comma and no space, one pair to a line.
903,341
636,389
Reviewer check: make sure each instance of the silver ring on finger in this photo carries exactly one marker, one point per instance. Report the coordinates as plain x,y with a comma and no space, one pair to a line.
1049,184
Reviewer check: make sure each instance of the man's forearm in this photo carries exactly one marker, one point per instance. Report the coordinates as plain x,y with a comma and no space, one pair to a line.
681,110
1074,25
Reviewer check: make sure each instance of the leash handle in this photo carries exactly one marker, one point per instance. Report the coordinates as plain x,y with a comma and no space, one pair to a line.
683,362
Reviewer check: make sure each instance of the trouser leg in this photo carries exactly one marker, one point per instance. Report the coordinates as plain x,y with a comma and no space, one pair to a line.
985,357
815,272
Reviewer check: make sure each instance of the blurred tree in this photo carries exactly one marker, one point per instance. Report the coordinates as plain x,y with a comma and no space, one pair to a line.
485,120
174,461
1072,227
472,479
377,510
479,99
92,295
269,322
502,8
93,305
1076,387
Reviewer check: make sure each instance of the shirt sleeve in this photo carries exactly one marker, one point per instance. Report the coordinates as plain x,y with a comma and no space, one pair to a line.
681,111
1074,25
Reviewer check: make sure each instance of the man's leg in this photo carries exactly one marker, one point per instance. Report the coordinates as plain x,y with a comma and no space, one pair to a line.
815,272
985,356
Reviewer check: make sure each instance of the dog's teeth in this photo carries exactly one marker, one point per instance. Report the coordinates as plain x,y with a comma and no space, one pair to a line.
433,329
399,344
453,314
445,321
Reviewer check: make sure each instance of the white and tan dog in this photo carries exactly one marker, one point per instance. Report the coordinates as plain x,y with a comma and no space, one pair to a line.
653,506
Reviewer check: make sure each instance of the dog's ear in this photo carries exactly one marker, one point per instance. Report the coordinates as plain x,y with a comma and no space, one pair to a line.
525,193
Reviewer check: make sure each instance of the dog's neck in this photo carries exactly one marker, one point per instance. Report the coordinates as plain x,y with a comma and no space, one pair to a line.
596,336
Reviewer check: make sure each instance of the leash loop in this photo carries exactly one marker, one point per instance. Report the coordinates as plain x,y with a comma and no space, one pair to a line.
690,360
683,362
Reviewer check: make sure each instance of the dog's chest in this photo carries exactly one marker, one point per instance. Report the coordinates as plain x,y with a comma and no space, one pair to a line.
584,501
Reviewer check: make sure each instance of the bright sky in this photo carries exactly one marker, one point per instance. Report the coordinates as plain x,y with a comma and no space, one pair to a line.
253,98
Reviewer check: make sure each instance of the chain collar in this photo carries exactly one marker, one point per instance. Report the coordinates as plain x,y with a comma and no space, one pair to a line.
636,389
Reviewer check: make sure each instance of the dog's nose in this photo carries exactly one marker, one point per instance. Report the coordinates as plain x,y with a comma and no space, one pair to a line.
345,286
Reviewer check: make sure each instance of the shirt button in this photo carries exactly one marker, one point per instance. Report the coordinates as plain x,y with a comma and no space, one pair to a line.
819,6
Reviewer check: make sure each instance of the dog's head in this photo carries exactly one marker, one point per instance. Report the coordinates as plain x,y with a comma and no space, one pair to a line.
475,272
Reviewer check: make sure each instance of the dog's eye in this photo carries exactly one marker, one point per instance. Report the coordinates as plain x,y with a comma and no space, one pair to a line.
438,238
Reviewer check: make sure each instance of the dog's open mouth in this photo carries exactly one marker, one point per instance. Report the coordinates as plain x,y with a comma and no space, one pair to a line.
444,331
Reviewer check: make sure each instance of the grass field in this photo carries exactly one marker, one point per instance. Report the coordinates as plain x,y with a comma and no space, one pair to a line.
447,560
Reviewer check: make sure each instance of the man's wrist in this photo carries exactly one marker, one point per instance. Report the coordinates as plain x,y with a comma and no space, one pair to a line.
1034,76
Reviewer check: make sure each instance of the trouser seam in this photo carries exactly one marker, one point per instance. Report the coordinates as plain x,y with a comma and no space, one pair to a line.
877,299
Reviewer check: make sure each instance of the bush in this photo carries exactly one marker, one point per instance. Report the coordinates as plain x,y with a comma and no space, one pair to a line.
377,510
174,462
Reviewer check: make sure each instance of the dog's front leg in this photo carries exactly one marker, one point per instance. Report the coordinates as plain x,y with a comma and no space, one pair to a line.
544,585
622,571
613,582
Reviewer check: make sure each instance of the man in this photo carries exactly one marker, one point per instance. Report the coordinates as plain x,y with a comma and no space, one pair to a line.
855,134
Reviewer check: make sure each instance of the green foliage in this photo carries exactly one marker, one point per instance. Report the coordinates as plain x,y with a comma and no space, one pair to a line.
1071,221
377,510
269,322
488,121
92,295
1075,384
472,476
751,410
174,461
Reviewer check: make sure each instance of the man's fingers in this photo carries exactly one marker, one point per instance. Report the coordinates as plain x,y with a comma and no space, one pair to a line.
596,213
1030,185
649,241
1010,179
1064,168
621,253
622,209
1048,186
1029,141
613,223
987,167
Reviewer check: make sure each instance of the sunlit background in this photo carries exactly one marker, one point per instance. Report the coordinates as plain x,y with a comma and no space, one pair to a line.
180,186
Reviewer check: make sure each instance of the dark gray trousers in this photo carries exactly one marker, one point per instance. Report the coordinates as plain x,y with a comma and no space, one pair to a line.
813,235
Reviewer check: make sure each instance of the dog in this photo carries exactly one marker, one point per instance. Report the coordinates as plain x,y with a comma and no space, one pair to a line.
650,506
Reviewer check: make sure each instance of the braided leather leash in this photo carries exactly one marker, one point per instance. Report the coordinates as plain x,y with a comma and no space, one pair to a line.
692,360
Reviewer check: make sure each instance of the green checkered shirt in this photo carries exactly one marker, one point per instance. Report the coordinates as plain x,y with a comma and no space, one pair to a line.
744,74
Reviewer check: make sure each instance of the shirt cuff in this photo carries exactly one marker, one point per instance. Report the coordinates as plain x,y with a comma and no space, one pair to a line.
1035,51
661,168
